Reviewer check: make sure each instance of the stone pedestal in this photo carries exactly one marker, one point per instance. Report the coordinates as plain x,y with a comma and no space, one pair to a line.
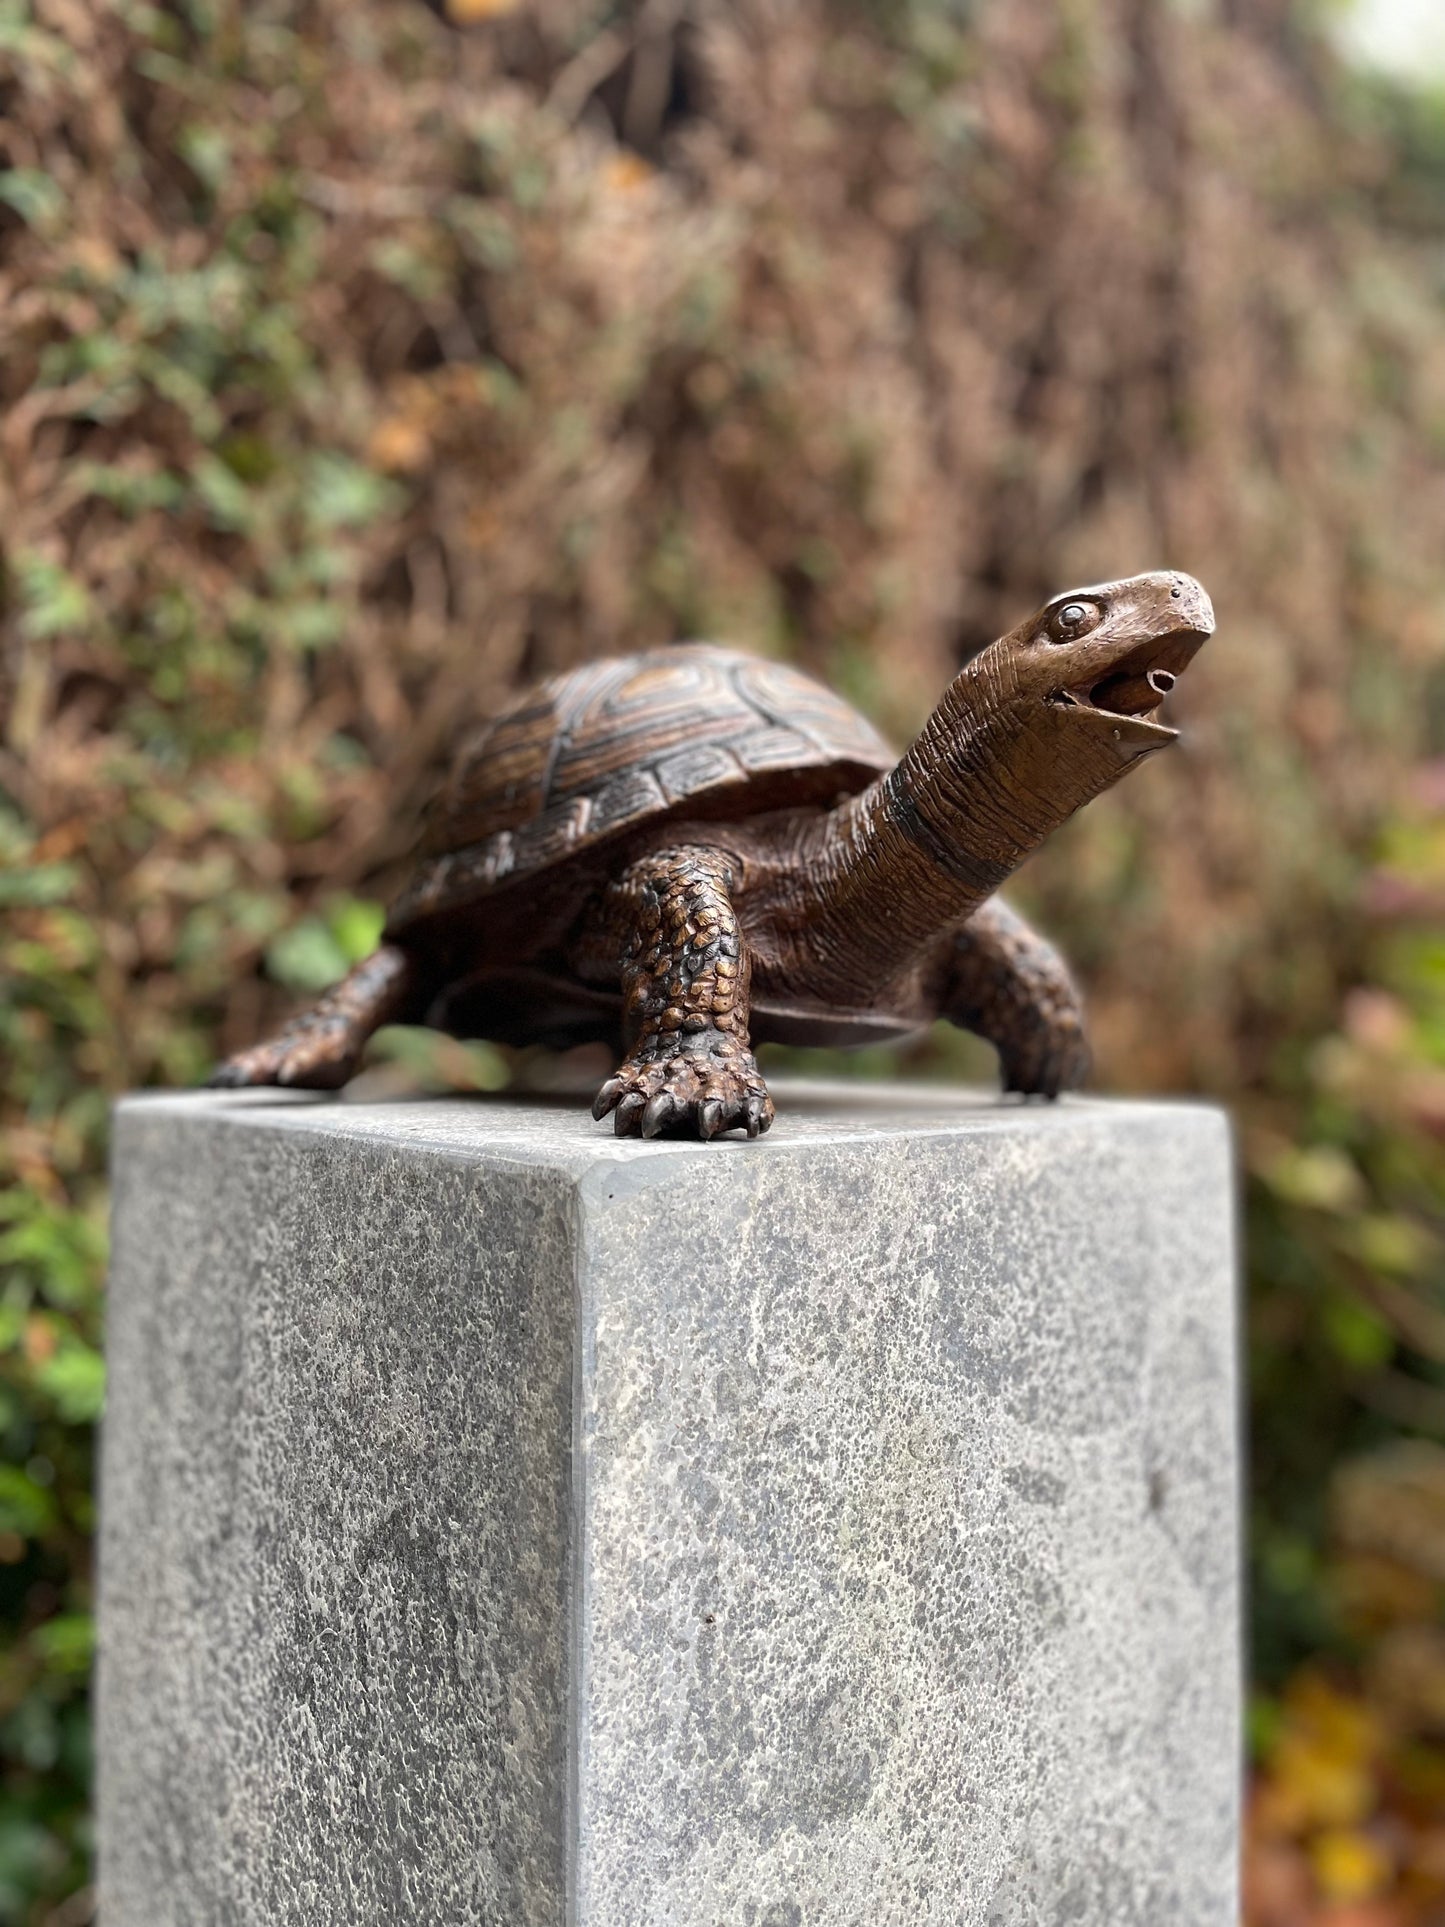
504,1525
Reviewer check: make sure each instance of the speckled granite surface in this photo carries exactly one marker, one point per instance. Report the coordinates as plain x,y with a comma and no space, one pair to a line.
506,1525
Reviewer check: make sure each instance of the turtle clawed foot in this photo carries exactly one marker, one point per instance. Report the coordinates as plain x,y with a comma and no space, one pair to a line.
321,1047
702,1088
1055,1060
314,1055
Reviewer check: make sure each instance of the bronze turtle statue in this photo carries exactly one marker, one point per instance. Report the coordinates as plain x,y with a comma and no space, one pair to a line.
691,850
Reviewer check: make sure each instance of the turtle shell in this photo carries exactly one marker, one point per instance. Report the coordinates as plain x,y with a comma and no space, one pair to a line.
692,730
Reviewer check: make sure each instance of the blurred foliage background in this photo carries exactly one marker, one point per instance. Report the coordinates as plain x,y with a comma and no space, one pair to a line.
359,360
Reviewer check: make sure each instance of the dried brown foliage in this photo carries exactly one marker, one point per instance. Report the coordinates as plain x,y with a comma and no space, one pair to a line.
905,330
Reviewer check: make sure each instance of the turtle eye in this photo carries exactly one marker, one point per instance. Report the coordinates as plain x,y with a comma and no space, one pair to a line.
1074,619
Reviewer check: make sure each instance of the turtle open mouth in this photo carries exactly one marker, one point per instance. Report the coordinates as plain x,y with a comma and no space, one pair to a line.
1136,687
1121,695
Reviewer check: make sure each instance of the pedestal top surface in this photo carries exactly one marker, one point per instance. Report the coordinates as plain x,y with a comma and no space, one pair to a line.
559,1130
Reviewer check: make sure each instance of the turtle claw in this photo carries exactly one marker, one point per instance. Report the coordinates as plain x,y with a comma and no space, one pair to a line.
699,1086
310,1054
321,1047
607,1097
1055,1058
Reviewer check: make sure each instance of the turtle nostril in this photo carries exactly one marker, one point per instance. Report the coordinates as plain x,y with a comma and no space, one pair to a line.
1176,593
1161,681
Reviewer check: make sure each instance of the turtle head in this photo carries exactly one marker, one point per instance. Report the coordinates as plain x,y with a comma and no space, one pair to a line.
1088,672
1031,728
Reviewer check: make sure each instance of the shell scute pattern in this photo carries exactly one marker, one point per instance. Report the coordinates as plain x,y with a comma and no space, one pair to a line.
625,798
552,835
613,744
703,766
674,703
772,749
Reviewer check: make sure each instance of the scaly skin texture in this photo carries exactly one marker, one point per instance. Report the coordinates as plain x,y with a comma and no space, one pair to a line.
320,1048
1010,987
689,1068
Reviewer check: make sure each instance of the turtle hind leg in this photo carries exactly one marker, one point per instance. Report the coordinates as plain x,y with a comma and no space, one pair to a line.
688,1068
1006,984
320,1048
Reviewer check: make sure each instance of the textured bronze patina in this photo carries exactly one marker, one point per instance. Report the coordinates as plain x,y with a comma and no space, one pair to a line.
686,852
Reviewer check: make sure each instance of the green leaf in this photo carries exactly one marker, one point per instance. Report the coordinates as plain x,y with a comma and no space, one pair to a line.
67,1642
1317,1176
132,492
356,925
25,1507
307,957
75,1379
35,196
414,269
61,1248
52,599
39,883
231,503
343,494
1357,1335
1263,1723
1392,1243
208,152
27,1854
310,624
436,1062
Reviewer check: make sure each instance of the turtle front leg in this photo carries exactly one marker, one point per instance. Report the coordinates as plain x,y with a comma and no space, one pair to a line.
1002,981
688,1067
